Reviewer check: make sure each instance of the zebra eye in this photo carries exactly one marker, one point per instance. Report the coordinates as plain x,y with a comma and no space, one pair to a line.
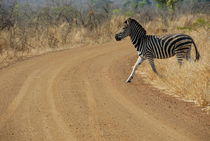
124,28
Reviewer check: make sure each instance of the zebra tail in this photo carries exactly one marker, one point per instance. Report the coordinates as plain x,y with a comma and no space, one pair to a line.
197,54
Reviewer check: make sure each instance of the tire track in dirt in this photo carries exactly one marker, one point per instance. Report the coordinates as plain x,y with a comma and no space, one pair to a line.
96,67
62,128
78,70
18,99
52,122
79,94
93,118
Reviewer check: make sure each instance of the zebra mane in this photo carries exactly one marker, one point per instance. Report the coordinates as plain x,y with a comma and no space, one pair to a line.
133,21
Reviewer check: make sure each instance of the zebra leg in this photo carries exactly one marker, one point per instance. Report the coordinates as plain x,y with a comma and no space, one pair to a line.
188,55
152,64
180,57
138,62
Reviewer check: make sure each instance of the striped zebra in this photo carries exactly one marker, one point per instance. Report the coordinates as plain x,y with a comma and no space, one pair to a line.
150,47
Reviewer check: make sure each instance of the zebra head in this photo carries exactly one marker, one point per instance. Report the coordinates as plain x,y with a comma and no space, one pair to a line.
125,30
130,28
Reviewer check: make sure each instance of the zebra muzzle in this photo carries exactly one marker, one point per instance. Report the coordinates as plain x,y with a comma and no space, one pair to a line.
117,37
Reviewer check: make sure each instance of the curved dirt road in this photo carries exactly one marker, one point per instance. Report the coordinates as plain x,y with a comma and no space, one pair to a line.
80,95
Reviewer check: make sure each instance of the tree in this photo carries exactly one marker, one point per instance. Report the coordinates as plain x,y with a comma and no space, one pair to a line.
167,3
171,3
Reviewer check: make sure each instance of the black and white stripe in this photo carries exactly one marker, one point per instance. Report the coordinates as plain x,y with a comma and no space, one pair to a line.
150,47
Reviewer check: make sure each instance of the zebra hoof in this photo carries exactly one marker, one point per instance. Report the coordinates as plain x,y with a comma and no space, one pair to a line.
129,79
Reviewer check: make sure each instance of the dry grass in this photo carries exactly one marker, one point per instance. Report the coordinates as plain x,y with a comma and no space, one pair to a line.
17,43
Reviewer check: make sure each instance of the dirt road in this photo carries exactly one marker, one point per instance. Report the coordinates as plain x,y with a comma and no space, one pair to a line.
80,95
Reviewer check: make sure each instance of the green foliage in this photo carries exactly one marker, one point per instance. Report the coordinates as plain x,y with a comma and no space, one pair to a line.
143,3
16,10
199,23
129,13
17,6
116,11
167,3
190,28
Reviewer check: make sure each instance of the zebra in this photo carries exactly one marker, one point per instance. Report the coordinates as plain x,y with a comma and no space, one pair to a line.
150,47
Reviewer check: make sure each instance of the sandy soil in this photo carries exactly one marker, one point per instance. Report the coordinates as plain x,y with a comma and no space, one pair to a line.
81,95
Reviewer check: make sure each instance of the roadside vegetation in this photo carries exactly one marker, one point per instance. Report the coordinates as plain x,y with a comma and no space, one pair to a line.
191,82
28,29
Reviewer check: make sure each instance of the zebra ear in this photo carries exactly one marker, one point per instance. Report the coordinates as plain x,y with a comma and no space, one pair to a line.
129,21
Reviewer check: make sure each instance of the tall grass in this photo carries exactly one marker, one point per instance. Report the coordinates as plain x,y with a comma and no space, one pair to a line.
17,42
